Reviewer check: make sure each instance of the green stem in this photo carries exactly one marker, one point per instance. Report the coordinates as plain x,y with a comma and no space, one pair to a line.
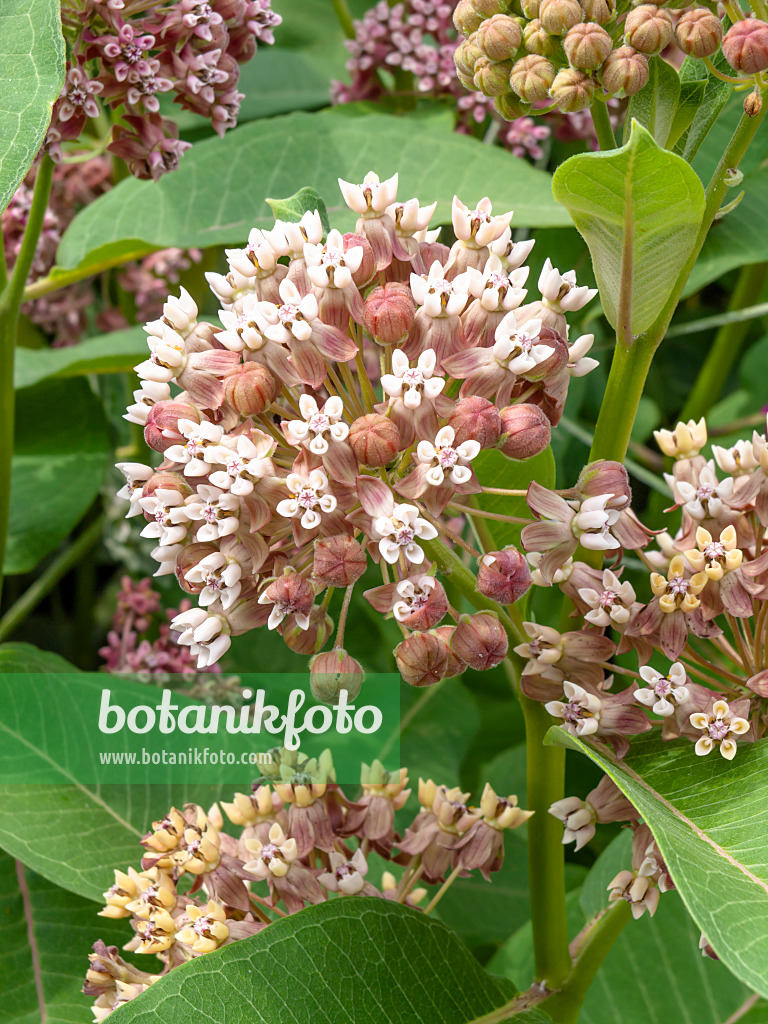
727,345
10,303
345,18
601,119
62,278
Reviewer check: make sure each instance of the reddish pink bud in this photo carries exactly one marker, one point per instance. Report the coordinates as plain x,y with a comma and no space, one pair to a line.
504,576
367,266
374,439
311,639
525,431
699,33
165,480
334,671
162,427
476,419
290,592
745,46
339,561
422,659
250,388
455,665
759,684
389,313
188,558
432,611
479,640
605,477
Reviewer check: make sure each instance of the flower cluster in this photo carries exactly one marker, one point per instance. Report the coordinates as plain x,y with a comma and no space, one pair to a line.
127,53
295,839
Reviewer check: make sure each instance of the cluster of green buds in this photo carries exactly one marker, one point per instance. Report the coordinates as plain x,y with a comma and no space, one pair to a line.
571,52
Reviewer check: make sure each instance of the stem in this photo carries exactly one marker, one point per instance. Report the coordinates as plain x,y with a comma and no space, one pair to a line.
345,18
726,347
343,616
443,889
10,303
601,119
62,278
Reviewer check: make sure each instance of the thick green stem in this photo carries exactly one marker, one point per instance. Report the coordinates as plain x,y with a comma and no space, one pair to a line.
344,17
601,119
10,303
58,279
727,345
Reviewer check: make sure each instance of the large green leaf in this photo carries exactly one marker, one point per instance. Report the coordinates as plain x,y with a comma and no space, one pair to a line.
639,209
32,60
45,936
347,960
716,94
61,454
219,192
655,106
706,814
109,353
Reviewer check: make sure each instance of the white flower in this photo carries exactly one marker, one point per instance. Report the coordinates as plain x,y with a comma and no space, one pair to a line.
446,459
220,578
561,291
168,357
170,522
136,474
180,314
372,197
737,460
219,512
580,711
257,258
512,254
477,227
412,595
316,424
247,465
578,362
329,266
720,726
437,295
561,575
241,330
291,238
397,533
292,318
685,441
409,217
664,692
412,383
166,556
205,634
593,521
345,876
515,348
202,450
148,394
612,604
307,496
706,499
497,288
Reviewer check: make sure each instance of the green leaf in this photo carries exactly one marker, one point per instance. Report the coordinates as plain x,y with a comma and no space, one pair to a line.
716,94
498,470
44,927
219,192
757,1015
703,813
109,353
348,960
293,209
691,98
32,59
654,107
639,209
61,454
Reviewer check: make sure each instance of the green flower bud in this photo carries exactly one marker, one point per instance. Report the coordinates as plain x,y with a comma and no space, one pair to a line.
510,107
745,46
530,8
334,671
649,29
499,37
625,72
557,16
492,77
532,77
537,40
587,46
572,90
466,56
466,20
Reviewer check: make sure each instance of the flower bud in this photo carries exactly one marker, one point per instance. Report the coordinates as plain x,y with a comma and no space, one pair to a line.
162,427
753,104
466,55
499,37
745,46
649,29
290,592
587,46
422,659
367,267
625,72
165,480
605,477
530,9
468,81
475,419
557,16
389,312
531,78
599,11
310,639
525,431
339,561
334,671
504,576
250,388
479,640
699,33
428,614
455,665
491,78
190,556
537,40
374,439
759,684
510,107
572,90
487,8
466,20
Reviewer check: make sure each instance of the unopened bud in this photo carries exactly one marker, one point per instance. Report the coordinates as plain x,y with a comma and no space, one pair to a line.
374,439
475,419
759,684
572,90
339,561
532,77
510,107
557,16
250,388
422,659
455,665
649,29
599,11
466,20
499,37
587,46
625,72
525,431
487,8
334,671
367,267
699,32
753,104
745,46
466,55
537,40
162,427
479,640
530,9
307,639
290,592
605,477
389,312
504,576
165,480
491,78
